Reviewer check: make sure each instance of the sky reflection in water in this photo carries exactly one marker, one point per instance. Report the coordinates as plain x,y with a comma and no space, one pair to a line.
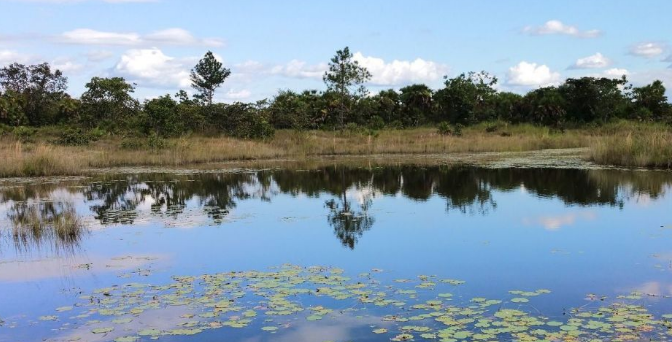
575,232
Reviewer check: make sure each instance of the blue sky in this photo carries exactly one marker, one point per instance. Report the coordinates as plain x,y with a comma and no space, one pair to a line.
271,45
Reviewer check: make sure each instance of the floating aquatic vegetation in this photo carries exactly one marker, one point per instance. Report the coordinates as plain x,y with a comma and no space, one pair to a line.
240,300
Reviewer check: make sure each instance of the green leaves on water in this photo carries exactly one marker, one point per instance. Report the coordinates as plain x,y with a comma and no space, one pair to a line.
102,330
403,337
149,332
126,339
413,309
519,300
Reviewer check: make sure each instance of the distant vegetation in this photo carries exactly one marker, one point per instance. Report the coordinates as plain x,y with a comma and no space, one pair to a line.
34,98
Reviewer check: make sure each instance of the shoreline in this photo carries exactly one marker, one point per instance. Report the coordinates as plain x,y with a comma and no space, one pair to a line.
574,158
627,145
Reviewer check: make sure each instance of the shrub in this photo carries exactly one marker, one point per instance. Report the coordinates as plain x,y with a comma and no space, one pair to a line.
492,128
23,133
351,127
396,124
457,130
262,130
132,144
155,142
75,137
444,128
376,123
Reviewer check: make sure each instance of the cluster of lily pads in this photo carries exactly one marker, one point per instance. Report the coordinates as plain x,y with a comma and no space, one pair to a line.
425,308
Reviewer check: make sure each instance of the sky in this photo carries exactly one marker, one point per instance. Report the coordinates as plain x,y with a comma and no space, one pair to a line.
271,45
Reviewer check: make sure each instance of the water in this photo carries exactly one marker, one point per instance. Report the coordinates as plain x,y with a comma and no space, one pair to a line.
592,238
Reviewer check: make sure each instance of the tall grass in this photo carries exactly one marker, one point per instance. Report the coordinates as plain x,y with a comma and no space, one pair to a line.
18,160
651,150
620,143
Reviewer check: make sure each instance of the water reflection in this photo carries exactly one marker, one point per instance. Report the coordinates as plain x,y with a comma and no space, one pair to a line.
348,194
45,224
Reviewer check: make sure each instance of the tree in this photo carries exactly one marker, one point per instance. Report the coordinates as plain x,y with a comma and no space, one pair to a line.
208,75
11,109
467,98
651,99
591,99
416,104
545,106
108,101
345,77
40,88
507,107
162,116
389,105
14,77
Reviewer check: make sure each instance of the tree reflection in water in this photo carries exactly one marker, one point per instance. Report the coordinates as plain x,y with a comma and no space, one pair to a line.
348,193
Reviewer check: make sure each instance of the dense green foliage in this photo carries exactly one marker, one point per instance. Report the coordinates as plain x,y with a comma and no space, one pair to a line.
33,96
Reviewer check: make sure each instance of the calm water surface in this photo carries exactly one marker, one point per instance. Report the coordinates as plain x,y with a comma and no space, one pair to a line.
568,243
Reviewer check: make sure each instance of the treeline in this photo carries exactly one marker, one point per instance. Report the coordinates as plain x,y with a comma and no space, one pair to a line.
35,95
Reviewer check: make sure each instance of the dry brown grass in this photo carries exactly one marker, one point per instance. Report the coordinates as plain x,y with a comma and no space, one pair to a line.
607,147
18,159
651,150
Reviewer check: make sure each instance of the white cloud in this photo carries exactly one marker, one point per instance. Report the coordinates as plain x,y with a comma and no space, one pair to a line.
641,78
172,36
616,72
558,27
9,56
300,69
647,49
152,68
532,75
399,72
237,95
595,61
67,65
93,37
178,36
393,73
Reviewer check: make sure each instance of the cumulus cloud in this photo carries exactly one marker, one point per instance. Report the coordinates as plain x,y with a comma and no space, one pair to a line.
67,65
616,73
399,72
558,27
392,73
171,36
647,49
10,56
595,61
532,75
152,68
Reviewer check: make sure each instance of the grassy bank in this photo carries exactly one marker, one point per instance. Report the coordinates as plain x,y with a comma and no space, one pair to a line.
623,144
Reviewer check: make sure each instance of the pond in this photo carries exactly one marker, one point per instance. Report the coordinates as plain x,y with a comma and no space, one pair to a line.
336,253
